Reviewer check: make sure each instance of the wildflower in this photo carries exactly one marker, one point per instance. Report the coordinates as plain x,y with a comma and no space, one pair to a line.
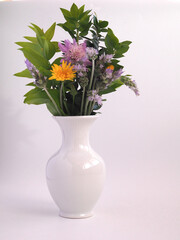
106,58
83,81
117,74
92,53
131,84
81,70
93,96
34,72
110,67
108,73
74,52
63,72
40,80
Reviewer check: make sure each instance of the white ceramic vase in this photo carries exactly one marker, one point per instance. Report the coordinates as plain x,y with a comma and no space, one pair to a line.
75,174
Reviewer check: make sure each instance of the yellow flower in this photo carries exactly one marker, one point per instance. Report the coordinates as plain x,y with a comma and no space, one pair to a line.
63,72
110,67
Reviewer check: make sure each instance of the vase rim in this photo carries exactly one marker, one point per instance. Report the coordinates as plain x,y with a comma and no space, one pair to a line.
86,116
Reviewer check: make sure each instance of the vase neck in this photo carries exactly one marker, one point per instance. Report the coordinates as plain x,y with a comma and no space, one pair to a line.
75,130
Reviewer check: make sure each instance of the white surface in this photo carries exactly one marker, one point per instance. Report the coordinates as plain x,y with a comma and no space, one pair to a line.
76,173
141,199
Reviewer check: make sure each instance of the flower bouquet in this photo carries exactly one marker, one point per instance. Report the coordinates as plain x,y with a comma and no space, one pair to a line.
73,85
72,76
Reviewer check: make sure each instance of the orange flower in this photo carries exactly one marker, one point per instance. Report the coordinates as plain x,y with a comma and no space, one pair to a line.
63,72
110,67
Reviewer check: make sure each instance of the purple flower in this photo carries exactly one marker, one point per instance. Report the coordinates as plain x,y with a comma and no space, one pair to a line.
29,65
92,53
93,96
74,52
80,69
106,58
80,74
34,72
134,88
131,84
40,80
109,73
117,74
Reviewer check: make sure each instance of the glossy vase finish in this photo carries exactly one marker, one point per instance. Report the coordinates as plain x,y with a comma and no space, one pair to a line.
75,174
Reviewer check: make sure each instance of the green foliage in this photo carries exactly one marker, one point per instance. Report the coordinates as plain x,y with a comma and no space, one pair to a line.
31,84
40,49
97,30
38,96
112,87
25,73
114,46
57,61
77,21
33,46
31,39
36,59
50,32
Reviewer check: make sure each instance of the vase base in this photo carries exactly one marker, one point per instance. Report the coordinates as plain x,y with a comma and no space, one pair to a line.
75,215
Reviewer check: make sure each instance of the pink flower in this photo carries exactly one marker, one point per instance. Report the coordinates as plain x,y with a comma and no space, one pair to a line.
74,52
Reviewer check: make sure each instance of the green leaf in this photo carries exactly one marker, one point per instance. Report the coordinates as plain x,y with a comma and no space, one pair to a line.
67,15
73,90
56,46
103,24
104,30
31,84
84,20
36,96
57,61
52,109
120,49
69,26
85,30
74,11
126,42
50,32
72,33
25,73
31,39
32,46
48,49
37,29
55,95
40,39
81,10
36,59
84,13
45,72
33,91
112,87
111,40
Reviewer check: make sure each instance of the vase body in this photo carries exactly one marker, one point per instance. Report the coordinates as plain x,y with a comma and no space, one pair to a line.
75,174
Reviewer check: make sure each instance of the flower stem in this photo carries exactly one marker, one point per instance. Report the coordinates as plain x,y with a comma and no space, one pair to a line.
65,104
82,101
61,95
91,107
52,100
90,85
86,105
92,74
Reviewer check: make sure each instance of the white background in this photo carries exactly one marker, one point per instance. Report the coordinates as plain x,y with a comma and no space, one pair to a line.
138,137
